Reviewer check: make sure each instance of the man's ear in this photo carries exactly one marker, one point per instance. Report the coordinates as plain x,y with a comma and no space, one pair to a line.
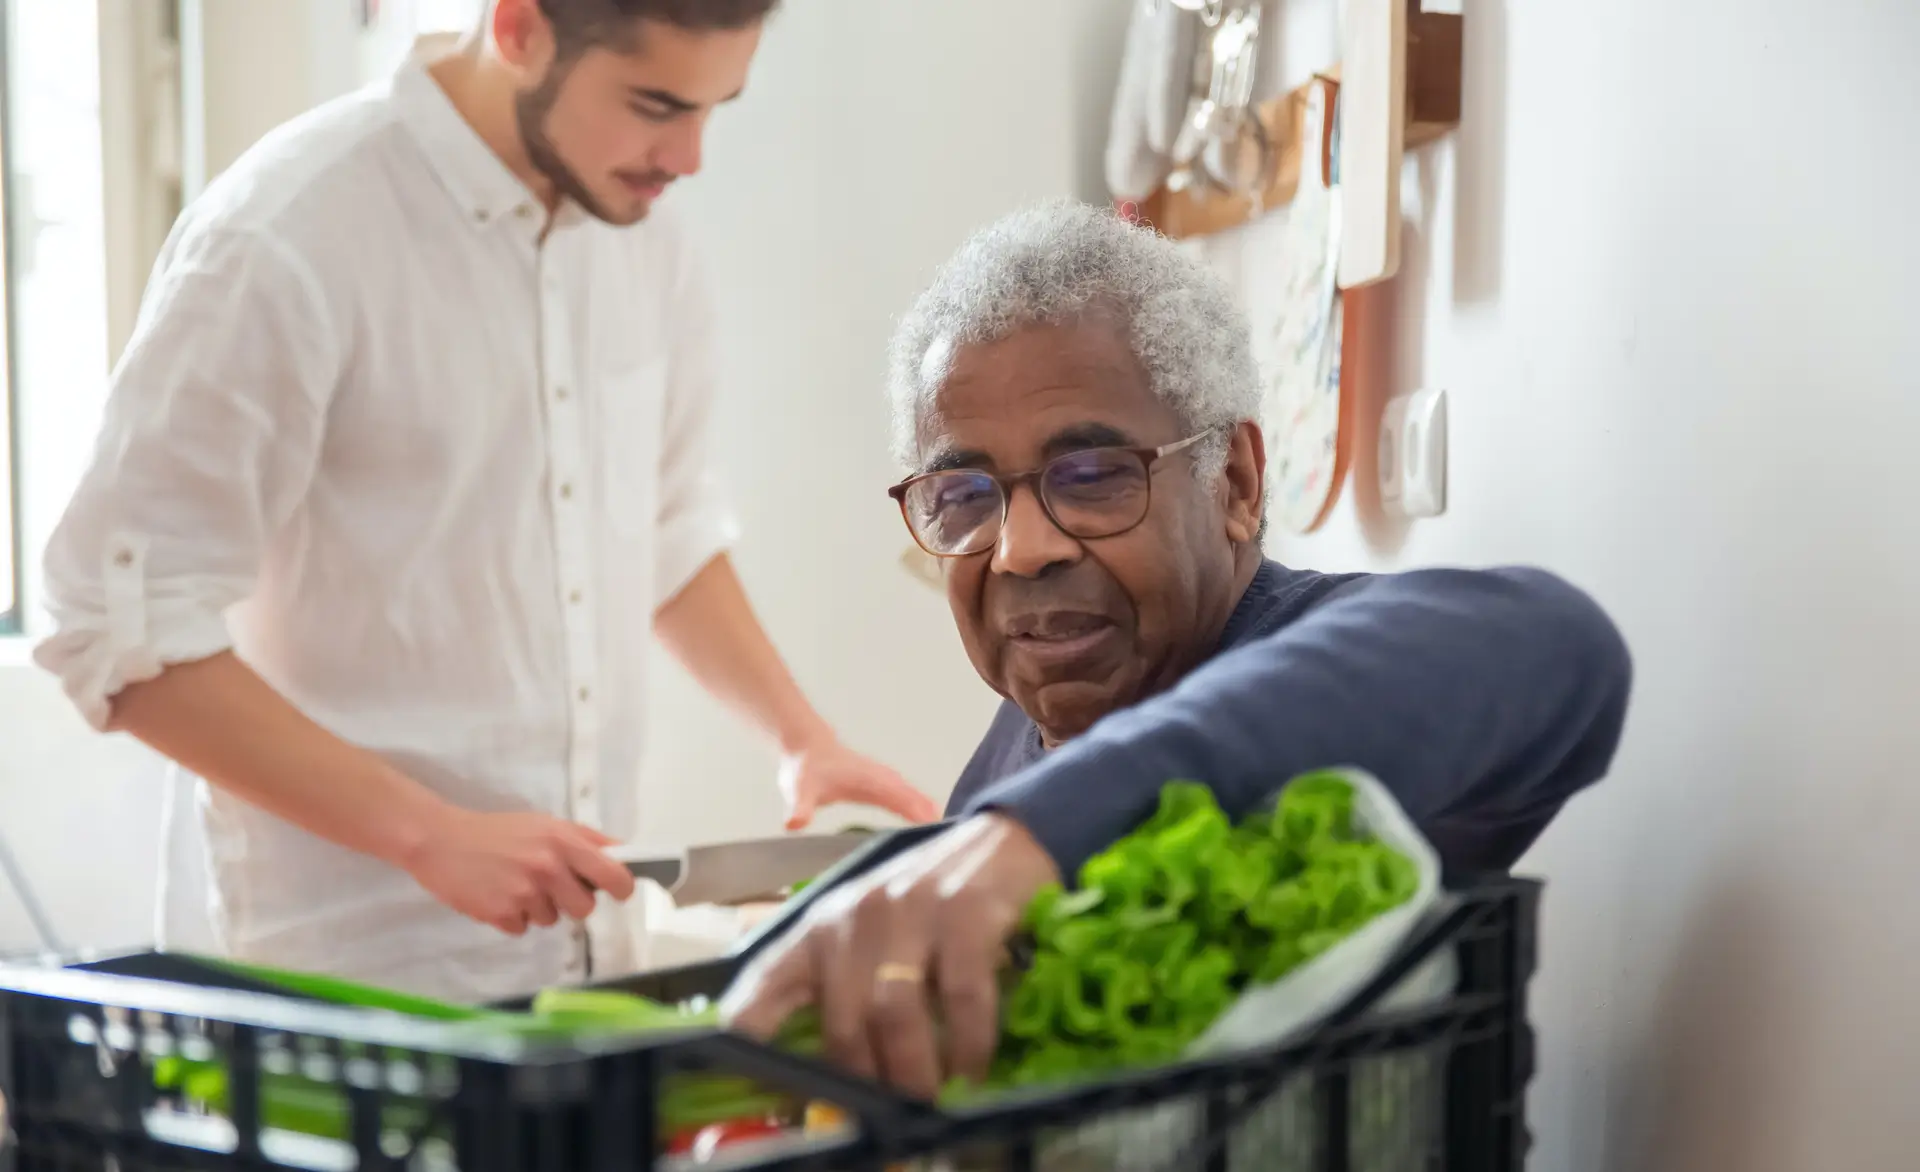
1244,482
520,33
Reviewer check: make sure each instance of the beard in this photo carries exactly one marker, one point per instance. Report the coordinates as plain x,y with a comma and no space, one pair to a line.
532,111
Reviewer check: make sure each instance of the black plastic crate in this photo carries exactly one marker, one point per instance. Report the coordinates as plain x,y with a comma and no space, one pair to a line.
1440,1088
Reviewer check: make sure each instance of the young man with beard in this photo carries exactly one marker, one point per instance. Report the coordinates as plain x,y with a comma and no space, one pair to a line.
406,463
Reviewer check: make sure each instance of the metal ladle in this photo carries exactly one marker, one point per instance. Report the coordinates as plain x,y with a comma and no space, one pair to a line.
1222,144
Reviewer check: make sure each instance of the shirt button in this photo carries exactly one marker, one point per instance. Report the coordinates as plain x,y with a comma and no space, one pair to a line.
560,393
123,557
482,215
584,694
524,211
574,597
586,789
566,491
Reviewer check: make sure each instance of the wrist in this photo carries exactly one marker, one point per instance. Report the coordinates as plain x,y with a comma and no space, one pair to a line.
419,819
1026,854
805,732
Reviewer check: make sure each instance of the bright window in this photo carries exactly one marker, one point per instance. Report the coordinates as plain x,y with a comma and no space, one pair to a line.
55,287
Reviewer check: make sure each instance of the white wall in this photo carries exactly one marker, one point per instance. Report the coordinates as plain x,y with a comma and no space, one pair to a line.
265,62
1665,271
873,137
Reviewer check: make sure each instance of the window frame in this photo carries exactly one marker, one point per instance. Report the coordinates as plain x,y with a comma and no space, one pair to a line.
12,619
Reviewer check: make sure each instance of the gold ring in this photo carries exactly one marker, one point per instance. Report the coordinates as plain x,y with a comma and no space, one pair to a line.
894,970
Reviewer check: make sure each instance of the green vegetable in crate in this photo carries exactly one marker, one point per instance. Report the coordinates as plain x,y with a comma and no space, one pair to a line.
1173,922
294,1102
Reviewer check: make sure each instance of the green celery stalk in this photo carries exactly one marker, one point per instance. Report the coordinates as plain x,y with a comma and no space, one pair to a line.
293,1103
340,991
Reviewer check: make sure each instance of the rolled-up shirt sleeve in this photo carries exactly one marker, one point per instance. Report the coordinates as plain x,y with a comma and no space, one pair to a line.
209,441
696,521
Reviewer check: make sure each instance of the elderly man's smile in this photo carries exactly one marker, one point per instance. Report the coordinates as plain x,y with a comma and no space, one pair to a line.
1061,639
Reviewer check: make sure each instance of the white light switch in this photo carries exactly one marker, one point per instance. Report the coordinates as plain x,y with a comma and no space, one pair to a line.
1413,455
1393,421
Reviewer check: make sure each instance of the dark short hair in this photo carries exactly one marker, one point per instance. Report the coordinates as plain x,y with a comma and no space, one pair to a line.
579,25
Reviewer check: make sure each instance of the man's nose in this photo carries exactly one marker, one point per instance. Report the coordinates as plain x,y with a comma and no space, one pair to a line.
680,153
1029,540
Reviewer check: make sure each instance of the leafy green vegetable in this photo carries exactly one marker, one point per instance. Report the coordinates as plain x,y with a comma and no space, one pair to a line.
1172,923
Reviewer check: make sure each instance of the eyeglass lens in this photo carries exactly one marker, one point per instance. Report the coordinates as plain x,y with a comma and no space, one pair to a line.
1093,493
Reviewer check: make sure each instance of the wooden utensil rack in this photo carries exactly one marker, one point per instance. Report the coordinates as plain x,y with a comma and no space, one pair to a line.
1398,89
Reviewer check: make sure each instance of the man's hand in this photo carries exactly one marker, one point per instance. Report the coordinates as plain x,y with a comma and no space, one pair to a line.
827,772
516,870
878,954
218,718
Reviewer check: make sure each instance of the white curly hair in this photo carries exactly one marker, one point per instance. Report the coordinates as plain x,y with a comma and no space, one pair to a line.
1054,261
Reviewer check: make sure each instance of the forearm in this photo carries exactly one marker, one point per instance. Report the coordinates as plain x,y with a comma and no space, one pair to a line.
710,627
1483,700
218,718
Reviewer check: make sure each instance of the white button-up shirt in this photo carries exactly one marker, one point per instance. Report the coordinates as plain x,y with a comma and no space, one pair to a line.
428,466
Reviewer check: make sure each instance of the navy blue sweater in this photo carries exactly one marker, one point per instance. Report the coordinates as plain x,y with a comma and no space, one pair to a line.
1484,699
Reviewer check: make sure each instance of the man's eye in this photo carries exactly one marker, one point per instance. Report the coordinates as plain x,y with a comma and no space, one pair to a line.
1080,472
652,113
960,496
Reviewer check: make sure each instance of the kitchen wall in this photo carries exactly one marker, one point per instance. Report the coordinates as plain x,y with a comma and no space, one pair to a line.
874,136
1663,271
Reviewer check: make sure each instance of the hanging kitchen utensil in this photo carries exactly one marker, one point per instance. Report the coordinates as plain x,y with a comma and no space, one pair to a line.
1197,209
1404,92
1222,146
1304,414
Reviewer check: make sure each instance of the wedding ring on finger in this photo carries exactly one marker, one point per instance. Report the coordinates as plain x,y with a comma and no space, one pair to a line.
895,971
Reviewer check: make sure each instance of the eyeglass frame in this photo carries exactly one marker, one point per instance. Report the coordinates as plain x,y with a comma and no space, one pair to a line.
1148,458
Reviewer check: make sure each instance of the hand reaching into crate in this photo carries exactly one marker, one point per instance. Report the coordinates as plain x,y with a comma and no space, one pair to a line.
1165,934
875,955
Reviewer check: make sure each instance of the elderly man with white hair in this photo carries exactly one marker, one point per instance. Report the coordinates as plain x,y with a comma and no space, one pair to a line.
1078,401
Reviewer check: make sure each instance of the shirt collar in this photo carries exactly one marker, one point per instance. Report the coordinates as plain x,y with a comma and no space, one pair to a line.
485,188
1240,623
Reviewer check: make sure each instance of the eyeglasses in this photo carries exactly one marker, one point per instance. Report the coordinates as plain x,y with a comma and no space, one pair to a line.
1091,493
